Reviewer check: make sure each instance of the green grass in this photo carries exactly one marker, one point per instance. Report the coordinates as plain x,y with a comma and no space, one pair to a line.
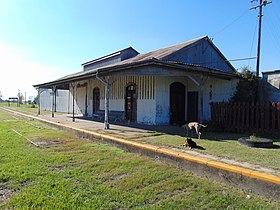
226,145
26,109
73,173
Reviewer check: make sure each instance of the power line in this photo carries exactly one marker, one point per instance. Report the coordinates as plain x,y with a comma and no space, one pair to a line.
242,59
231,23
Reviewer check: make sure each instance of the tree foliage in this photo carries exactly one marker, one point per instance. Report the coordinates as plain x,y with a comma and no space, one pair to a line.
247,86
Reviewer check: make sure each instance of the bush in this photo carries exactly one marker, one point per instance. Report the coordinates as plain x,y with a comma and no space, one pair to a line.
247,87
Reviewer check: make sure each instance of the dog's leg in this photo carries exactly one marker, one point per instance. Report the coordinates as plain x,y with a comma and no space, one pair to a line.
197,131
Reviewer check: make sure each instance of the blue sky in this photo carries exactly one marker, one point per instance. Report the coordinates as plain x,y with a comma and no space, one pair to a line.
44,40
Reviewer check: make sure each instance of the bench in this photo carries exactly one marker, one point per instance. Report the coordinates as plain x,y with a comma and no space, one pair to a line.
114,116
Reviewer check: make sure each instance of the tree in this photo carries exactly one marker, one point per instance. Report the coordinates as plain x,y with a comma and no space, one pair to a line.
1,97
247,86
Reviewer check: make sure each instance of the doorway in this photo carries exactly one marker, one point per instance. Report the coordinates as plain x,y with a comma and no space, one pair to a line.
96,100
192,106
131,103
177,103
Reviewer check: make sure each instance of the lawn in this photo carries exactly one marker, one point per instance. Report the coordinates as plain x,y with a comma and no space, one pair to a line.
225,145
26,108
67,172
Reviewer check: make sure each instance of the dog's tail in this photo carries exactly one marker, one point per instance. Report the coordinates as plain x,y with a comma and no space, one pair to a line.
203,125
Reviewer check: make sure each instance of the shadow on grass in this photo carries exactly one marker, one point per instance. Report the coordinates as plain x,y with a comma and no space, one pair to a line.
275,147
200,147
174,130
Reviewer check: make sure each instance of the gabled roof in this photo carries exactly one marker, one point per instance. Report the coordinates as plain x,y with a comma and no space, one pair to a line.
106,70
108,56
155,57
163,52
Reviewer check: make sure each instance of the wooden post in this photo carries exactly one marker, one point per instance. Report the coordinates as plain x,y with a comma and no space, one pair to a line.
273,114
257,119
39,108
86,101
55,99
107,88
253,116
73,101
53,94
247,105
278,115
106,120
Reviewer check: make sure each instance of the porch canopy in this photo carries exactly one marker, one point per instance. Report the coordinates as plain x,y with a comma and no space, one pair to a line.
167,68
154,67
162,62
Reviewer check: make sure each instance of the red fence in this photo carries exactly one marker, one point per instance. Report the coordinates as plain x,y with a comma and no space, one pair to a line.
244,117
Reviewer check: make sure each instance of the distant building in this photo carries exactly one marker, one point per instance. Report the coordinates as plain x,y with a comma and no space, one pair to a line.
270,86
165,86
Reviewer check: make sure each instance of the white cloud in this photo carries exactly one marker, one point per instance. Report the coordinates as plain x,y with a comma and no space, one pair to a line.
18,71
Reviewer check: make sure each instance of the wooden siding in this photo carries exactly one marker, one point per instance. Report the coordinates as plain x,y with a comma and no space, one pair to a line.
145,87
200,53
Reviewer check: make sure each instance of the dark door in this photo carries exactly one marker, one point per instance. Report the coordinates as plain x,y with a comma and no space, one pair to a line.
177,103
96,100
131,103
192,106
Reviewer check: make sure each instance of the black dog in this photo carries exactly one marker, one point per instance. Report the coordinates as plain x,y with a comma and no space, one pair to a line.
189,143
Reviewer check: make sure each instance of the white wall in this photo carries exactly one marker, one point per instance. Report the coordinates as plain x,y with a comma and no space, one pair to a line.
146,112
156,110
46,100
62,99
81,100
163,97
211,90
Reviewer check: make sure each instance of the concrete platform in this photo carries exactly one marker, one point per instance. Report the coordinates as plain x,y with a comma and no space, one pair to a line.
245,176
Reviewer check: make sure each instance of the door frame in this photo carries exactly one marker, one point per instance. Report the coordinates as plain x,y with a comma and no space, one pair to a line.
177,103
94,110
131,105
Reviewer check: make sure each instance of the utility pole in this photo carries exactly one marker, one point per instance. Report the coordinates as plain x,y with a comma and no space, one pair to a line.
260,6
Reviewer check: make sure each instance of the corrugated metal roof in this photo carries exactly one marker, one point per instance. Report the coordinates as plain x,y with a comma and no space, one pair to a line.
154,57
163,52
105,70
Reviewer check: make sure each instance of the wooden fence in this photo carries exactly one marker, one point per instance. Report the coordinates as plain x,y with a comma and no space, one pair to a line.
244,117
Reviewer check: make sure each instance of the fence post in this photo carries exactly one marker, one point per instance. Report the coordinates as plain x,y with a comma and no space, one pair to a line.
273,113
278,116
238,123
243,124
247,113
